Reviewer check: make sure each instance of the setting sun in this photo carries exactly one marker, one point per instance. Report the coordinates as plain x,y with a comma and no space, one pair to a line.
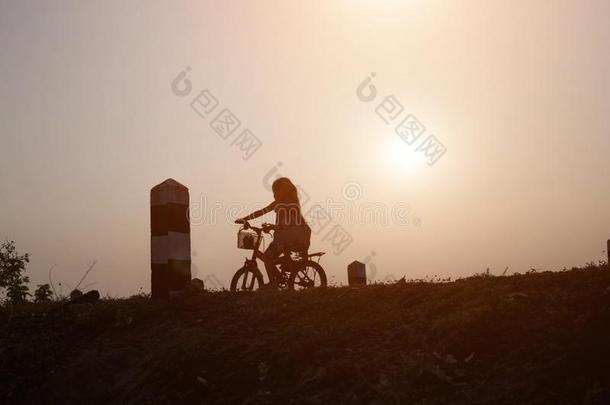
402,157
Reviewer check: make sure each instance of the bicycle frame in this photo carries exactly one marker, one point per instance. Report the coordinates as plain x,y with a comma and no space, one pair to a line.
257,254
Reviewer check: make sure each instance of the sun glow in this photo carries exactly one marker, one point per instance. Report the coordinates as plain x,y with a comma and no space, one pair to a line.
403,157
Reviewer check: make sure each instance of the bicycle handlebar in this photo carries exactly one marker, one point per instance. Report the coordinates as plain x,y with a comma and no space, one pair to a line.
265,228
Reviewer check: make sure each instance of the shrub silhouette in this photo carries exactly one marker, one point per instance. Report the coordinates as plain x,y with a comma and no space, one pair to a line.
12,267
43,293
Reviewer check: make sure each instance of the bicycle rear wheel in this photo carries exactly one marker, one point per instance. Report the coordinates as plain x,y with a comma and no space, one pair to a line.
247,279
307,275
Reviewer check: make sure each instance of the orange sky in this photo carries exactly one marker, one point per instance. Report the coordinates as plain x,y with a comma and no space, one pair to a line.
518,93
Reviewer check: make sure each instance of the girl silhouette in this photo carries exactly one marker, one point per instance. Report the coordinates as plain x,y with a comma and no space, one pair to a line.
291,231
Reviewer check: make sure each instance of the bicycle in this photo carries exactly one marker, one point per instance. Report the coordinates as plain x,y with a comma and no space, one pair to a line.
297,269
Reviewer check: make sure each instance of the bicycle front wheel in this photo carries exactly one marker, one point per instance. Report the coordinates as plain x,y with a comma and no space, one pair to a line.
307,275
247,279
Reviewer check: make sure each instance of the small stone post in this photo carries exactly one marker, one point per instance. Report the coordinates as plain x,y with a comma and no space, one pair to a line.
356,274
170,242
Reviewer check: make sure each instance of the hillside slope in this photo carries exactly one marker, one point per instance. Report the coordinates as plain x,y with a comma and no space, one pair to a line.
535,338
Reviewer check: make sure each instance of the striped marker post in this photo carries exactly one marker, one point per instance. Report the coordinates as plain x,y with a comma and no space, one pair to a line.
170,242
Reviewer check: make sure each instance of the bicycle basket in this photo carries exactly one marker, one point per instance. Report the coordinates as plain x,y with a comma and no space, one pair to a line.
246,239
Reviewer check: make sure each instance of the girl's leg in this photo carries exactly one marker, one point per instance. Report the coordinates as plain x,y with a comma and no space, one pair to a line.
270,257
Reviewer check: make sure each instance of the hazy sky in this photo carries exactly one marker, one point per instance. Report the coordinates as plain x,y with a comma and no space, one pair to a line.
517,91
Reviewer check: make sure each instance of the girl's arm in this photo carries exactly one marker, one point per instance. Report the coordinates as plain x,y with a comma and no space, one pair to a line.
258,213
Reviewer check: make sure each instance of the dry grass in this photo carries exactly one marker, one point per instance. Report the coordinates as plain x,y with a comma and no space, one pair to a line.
533,338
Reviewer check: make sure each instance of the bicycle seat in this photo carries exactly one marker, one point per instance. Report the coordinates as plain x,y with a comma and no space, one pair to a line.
317,254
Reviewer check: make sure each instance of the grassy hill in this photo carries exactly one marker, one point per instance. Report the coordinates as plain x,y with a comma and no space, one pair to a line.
534,338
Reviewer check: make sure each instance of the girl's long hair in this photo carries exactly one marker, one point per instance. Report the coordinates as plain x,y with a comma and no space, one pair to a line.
285,191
